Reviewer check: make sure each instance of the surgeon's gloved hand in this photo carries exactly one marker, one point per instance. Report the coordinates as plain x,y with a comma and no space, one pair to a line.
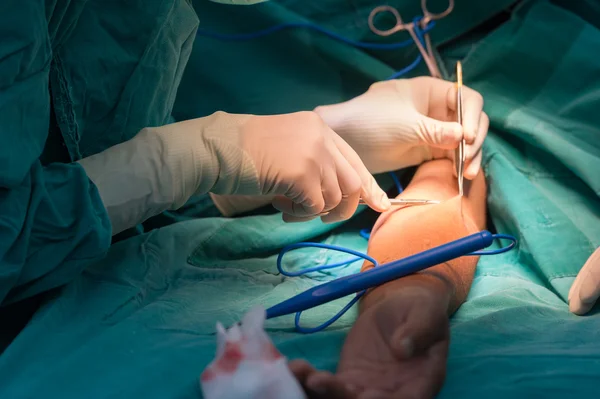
402,123
295,157
585,290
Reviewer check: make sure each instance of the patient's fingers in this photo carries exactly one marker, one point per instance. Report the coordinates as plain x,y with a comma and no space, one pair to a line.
301,370
428,384
319,384
326,385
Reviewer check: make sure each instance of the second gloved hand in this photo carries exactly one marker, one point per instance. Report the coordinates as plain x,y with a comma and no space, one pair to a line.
402,123
585,291
296,158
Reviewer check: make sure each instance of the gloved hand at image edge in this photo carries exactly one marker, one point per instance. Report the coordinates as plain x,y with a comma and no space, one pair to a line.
295,157
585,290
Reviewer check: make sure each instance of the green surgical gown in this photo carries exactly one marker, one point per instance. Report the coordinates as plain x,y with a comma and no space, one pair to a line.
76,77
140,323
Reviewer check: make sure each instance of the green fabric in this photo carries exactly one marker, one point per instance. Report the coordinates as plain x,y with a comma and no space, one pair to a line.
140,323
52,221
237,73
76,77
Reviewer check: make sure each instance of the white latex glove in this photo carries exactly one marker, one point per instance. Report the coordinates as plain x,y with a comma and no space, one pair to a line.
295,157
585,290
401,123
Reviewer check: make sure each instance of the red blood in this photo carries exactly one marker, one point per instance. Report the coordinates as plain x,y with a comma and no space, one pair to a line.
232,356
271,353
208,374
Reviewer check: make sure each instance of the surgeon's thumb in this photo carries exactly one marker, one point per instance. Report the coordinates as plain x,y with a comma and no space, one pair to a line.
440,134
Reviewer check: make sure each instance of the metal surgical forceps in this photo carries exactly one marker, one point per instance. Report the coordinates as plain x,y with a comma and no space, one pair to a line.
424,42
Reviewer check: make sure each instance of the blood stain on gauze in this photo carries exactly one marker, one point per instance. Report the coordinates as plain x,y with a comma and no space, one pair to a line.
227,363
247,364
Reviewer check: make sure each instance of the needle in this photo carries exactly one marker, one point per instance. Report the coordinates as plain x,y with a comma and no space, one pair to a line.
459,154
402,202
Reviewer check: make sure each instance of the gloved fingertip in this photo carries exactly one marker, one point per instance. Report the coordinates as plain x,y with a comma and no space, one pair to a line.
579,308
589,289
452,133
473,169
459,131
385,202
375,197
470,173
469,135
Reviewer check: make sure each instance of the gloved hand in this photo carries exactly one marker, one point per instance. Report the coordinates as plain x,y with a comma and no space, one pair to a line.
585,290
401,123
295,157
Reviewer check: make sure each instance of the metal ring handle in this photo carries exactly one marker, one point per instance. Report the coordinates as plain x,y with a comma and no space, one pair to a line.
396,28
429,16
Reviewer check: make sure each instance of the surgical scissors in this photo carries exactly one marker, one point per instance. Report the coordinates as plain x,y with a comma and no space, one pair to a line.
423,44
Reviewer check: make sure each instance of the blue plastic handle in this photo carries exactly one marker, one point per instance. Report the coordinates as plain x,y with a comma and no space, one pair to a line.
344,286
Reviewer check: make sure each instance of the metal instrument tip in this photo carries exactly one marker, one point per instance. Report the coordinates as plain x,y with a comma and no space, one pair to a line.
459,75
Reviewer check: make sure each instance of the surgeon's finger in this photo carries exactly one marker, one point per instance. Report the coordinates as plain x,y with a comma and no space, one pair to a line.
473,154
574,290
349,186
371,193
472,103
586,288
332,189
304,197
473,167
439,134
299,208
575,304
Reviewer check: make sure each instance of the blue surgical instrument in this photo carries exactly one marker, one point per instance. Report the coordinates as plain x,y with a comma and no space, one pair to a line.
380,274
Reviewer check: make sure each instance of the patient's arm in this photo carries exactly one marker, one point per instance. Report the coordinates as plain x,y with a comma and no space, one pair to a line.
406,231
398,345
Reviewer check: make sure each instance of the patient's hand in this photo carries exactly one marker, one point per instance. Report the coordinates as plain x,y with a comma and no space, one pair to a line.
396,349
375,362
